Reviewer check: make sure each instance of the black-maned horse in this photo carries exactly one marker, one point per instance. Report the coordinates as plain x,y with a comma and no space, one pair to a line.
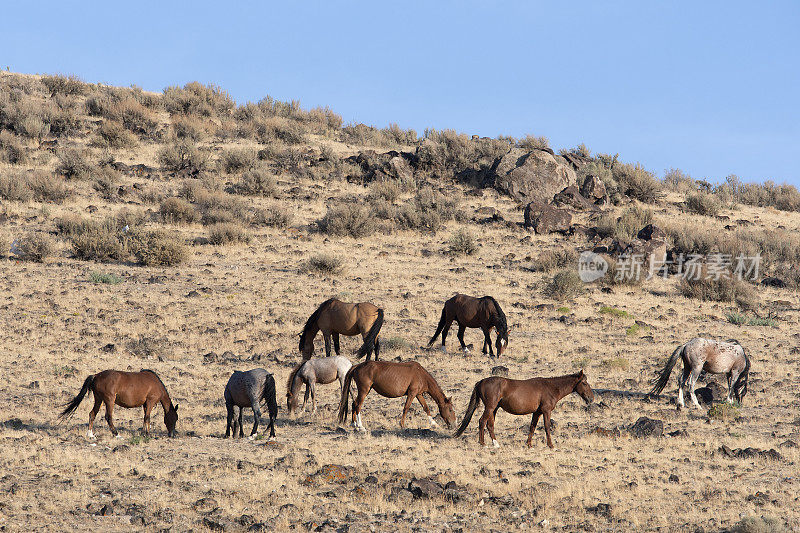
470,312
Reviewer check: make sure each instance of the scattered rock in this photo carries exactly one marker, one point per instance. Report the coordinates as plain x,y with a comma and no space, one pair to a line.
749,453
788,444
601,509
544,218
774,282
109,348
501,371
647,427
193,294
594,190
215,524
712,392
530,176
651,232
106,510
674,478
425,488
572,198
205,505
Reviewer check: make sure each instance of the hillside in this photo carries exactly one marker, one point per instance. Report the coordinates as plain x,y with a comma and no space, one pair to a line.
181,232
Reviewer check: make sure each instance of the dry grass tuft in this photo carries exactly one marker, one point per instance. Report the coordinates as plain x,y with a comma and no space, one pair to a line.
226,233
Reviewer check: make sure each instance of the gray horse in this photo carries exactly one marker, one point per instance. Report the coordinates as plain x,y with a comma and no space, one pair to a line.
250,389
322,370
715,357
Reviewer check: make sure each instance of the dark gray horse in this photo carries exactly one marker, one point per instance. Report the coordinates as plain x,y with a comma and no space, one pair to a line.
250,389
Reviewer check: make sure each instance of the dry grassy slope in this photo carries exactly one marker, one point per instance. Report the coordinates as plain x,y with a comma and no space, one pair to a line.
55,322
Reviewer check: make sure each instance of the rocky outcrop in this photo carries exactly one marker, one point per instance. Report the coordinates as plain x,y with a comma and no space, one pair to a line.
544,218
594,190
571,197
390,165
530,176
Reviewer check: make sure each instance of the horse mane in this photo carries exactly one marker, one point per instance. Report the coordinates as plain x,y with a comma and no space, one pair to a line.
312,320
500,318
292,376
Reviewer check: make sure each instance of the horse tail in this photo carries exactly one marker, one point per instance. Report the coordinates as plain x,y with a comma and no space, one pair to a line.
473,404
343,403
372,335
70,407
661,382
740,387
268,395
292,376
440,327
313,320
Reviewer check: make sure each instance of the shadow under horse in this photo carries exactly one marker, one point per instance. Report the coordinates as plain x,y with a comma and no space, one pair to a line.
471,312
334,317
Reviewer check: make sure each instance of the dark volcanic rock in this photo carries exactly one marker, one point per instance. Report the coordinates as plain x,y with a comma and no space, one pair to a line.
647,427
530,176
544,218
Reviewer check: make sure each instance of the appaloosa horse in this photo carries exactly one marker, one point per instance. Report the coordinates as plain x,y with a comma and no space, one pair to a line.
521,397
126,389
392,380
715,357
321,370
471,312
250,389
334,318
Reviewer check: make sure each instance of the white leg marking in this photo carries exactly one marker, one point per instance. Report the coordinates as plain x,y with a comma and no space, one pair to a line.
495,444
433,422
680,397
90,435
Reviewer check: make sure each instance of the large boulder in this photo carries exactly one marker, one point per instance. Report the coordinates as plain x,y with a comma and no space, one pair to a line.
390,165
544,218
594,190
530,176
651,255
572,197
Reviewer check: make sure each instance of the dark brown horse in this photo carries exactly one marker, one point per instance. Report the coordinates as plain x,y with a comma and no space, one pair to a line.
521,397
334,318
393,380
471,312
126,389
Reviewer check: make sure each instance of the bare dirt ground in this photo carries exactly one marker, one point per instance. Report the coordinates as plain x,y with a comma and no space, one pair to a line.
241,307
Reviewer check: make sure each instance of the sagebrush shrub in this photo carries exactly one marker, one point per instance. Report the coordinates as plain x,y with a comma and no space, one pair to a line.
550,260
227,233
257,182
627,225
531,142
462,242
65,85
177,211
35,246
112,134
12,149
564,285
157,248
702,204
273,216
324,264
73,164
98,242
237,160
181,155
14,186
347,220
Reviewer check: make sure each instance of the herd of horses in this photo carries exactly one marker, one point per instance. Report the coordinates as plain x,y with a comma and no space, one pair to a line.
536,396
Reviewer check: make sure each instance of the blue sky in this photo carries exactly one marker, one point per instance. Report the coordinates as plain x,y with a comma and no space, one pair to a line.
707,87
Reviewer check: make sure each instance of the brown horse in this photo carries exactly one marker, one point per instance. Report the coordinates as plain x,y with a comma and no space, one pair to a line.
521,397
471,312
334,318
126,389
393,380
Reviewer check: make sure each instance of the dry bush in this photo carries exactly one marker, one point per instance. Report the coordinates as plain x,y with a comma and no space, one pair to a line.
675,180
581,151
73,164
227,233
275,216
137,118
768,194
14,186
462,242
237,160
112,134
446,206
64,85
702,204
5,244
181,155
257,182
198,99
157,248
720,289
35,246
627,225
531,142
98,242
217,207
565,285
448,152
12,149
636,182
387,190
550,260
105,182
48,188
189,127
394,134
758,524
61,119
324,264
268,130
177,211
352,220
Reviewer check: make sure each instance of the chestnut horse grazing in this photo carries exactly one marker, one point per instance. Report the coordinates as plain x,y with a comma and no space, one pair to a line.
126,389
471,312
334,318
715,357
321,370
521,397
393,380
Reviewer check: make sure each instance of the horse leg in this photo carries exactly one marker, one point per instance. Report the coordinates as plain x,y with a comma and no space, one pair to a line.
305,397
256,417
534,421
377,348
692,380
148,407
109,413
546,415
241,422
98,401
460,336
424,404
445,329
487,342
406,407
682,384
229,408
490,427
312,384
733,375
327,336
357,403
482,425
335,337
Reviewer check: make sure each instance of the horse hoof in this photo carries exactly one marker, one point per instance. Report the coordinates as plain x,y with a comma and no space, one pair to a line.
253,437
466,350
118,436
495,444
90,435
